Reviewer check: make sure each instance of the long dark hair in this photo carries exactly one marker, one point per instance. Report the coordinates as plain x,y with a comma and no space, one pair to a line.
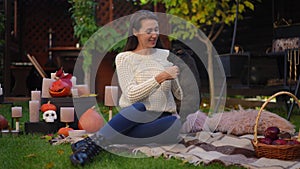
135,23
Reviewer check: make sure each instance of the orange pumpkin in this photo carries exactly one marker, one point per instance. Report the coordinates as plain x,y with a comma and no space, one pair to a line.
48,106
64,131
90,121
60,88
3,122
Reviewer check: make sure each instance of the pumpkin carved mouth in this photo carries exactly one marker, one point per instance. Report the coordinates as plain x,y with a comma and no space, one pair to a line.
60,93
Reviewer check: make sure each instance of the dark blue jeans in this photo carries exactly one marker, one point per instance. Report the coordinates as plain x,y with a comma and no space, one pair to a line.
136,125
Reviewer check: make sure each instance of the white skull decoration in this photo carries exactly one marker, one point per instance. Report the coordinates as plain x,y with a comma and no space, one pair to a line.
49,116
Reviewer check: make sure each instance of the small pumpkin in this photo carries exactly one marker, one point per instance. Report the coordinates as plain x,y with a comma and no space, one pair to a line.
48,106
65,131
90,121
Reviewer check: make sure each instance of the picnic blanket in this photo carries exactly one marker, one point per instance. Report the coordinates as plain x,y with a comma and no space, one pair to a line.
202,148
207,147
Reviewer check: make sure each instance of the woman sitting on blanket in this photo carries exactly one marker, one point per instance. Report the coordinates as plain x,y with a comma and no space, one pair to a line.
149,83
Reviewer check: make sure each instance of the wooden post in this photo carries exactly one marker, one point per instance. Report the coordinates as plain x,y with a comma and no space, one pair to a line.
111,12
7,71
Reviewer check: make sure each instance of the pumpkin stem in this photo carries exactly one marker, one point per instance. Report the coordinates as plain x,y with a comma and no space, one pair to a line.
48,102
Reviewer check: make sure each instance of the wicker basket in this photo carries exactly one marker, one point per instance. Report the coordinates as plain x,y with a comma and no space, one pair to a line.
283,152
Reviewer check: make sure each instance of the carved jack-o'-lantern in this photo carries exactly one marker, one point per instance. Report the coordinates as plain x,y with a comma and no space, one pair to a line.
62,86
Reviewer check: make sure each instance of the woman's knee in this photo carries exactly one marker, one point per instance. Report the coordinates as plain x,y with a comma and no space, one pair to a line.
139,106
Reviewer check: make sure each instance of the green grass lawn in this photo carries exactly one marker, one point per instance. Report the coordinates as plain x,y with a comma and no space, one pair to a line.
29,151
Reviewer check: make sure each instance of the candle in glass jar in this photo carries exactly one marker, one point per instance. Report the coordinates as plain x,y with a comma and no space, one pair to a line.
111,96
67,114
45,87
16,112
34,113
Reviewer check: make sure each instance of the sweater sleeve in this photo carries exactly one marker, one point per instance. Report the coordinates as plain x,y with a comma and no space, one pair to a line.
132,91
176,89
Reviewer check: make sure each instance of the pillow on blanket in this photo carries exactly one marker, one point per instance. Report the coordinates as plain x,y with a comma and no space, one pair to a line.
240,122
236,122
194,122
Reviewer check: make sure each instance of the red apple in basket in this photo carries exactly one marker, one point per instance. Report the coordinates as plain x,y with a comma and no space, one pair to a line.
272,132
265,140
279,142
292,142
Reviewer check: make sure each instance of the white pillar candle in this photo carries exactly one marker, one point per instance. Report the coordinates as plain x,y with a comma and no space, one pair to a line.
16,112
74,92
45,87
111,96
52,75
82,89
110,114
34,113
17,125
67,114
73,80
36,95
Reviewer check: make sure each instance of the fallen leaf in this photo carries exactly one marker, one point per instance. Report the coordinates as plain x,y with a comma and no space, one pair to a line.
60,151
49,165
47,137
30,156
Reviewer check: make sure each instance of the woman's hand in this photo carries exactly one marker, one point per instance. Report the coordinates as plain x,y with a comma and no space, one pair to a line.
170,73
173,72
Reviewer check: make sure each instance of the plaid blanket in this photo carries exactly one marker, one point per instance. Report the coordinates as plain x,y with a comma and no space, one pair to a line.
202,148
206,147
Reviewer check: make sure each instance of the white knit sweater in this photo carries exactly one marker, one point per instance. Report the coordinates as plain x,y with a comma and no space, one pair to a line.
136,75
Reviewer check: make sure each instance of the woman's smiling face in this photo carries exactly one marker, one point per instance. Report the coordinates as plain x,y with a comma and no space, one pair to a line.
148,34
